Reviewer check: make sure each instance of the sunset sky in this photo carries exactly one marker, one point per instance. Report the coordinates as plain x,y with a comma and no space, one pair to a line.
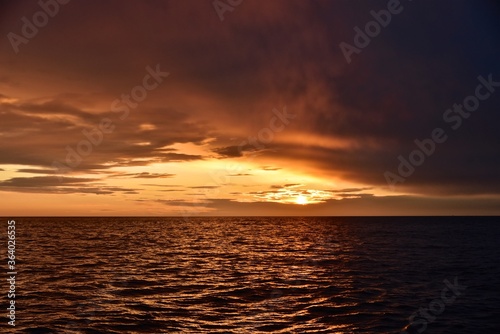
204,108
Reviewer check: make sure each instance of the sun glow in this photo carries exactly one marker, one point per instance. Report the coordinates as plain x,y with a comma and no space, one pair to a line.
301,200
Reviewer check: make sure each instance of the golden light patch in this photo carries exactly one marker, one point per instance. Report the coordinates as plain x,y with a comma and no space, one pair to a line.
302,200
147,127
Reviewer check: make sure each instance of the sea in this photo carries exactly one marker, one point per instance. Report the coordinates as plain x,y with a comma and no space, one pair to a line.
255,275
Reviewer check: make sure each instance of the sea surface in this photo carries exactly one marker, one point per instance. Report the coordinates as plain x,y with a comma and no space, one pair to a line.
256,275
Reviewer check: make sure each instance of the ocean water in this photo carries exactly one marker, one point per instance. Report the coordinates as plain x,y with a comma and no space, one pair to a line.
257,275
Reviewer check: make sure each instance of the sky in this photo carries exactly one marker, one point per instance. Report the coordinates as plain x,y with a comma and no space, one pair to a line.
249,107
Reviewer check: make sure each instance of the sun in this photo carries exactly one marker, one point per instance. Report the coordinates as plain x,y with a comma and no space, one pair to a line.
301,200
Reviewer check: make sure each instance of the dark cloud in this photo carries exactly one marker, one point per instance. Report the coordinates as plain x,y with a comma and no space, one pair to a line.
233,151
43,181
269,168
364,205
350,190
163,185
35,171
183,203
352,121
122,147
64,185
146,175
143,175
